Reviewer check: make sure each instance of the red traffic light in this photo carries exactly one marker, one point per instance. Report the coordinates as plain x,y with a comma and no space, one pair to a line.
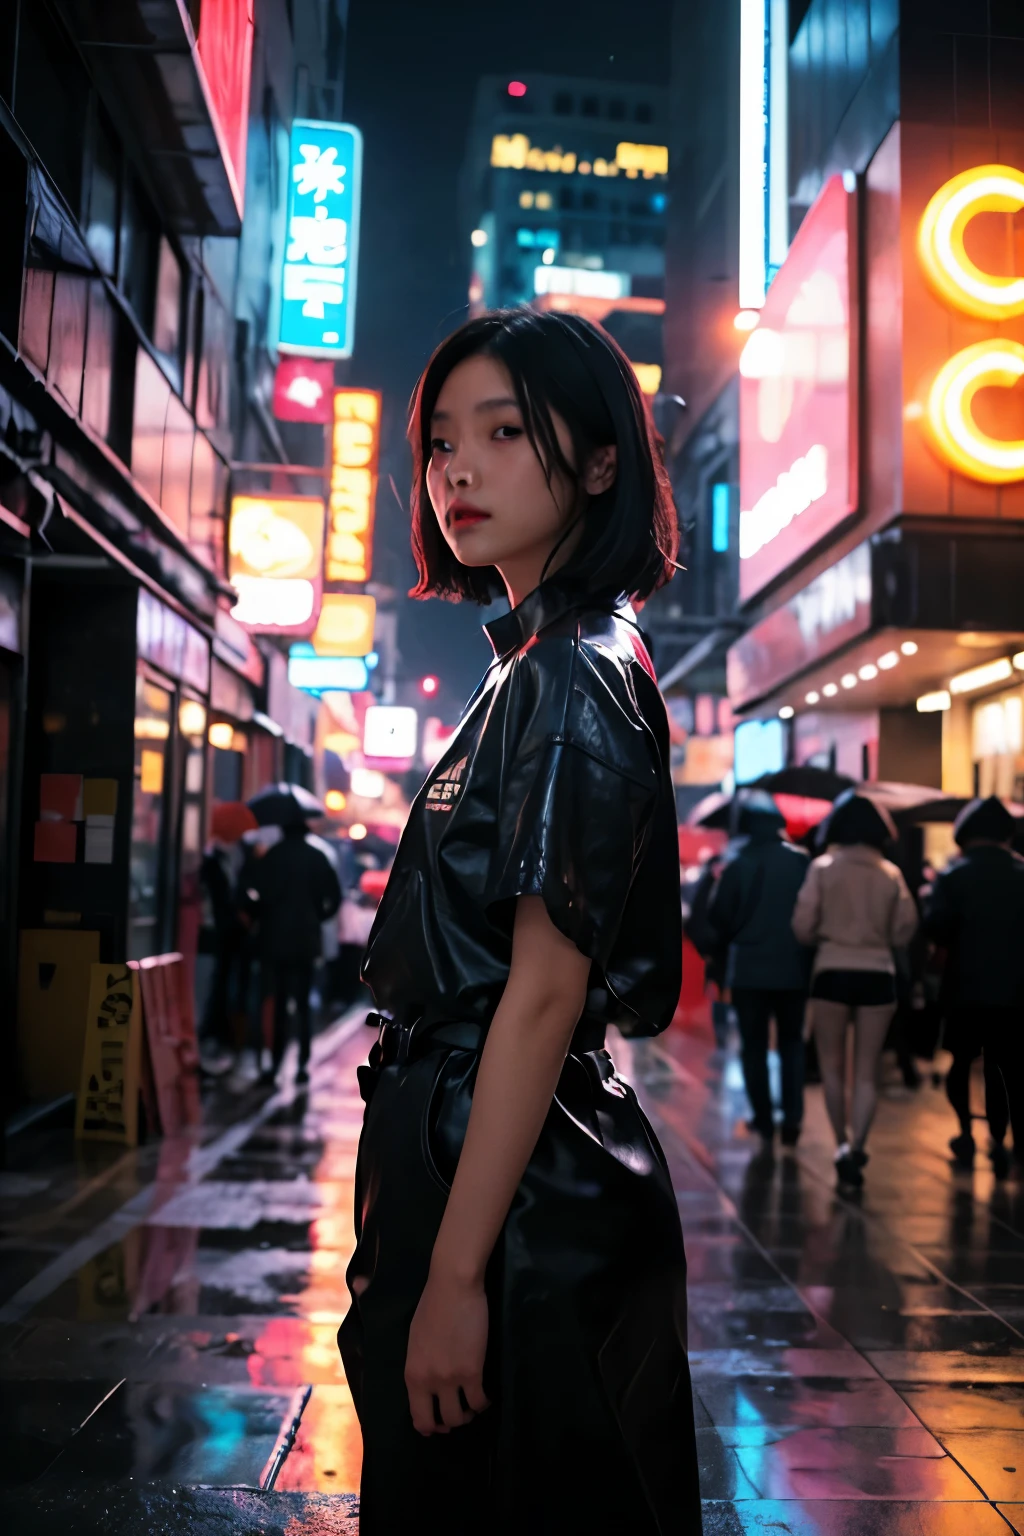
429,685
516,88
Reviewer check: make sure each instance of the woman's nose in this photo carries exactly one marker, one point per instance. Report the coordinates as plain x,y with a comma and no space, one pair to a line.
460,473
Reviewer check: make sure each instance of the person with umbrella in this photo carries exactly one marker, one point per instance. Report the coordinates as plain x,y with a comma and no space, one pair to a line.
975,912
856,909
293,890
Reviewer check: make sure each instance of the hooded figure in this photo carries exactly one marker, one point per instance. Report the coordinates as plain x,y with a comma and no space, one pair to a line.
976,914
766,971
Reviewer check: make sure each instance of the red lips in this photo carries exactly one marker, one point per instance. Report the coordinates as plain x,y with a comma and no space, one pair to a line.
462,513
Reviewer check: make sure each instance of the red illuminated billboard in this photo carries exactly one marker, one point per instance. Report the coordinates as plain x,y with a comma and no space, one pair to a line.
225,52
798,398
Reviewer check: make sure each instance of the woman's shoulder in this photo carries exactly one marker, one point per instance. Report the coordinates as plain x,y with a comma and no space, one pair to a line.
576,678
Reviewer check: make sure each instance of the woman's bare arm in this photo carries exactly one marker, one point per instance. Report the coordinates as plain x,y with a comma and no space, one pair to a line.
516,1080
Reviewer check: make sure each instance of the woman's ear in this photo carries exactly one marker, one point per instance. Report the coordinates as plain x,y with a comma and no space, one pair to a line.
600,470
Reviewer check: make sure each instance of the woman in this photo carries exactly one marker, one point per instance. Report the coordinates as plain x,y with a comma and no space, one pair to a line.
515,1345
855,906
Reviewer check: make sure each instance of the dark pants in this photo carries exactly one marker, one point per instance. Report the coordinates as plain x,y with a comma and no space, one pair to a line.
287,980
755,1009
999,1033
217,1023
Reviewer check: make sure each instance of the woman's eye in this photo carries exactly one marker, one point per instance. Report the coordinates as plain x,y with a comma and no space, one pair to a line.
508,433
439,445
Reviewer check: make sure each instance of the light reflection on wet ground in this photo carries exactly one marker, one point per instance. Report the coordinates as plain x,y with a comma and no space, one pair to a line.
858,1364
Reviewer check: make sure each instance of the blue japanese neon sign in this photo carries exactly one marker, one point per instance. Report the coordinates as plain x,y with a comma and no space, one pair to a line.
318,294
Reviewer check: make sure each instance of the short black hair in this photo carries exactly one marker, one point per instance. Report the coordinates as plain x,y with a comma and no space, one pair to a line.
557,362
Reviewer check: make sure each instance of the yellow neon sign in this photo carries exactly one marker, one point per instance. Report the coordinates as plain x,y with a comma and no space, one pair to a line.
999,363
514,152
940,241
956,435
350,508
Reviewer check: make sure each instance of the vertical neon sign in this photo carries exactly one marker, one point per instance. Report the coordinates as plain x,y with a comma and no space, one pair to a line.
753,123
318,295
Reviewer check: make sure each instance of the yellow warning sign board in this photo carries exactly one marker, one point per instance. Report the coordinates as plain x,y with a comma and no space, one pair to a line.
108,1100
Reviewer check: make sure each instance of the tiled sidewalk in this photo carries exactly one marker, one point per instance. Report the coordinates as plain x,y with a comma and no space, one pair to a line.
168,1318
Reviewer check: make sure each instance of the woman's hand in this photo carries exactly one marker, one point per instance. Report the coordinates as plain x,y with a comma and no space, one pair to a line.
447,1344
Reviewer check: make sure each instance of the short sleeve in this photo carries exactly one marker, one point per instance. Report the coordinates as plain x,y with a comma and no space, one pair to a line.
570,826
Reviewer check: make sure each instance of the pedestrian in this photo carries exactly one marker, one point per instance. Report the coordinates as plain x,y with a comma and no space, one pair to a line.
766,970
856,908
975,912
221,934
517,1328
296,889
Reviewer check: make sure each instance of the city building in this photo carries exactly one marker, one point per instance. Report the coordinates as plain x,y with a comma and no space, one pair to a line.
143,155
852,377
564,200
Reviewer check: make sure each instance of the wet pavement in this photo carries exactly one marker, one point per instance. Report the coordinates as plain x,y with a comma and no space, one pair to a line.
168,1319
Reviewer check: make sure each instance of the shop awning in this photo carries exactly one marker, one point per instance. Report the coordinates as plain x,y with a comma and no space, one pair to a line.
145,61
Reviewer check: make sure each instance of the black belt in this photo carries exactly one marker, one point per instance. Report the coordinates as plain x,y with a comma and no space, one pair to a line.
398,1039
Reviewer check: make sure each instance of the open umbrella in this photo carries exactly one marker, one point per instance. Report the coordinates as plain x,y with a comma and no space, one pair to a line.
810,783
284,805
229,819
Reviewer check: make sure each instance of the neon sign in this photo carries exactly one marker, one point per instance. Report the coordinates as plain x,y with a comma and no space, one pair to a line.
960,283
355,445
954,433
275,556
318,304
514,152
940,242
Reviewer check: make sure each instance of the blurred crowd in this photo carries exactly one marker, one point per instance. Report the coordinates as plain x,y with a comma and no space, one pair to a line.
287,911
830,942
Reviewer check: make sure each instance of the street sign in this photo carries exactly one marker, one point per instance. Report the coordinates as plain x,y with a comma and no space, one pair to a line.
318,294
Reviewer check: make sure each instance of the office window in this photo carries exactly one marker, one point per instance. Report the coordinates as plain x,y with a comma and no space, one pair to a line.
563,104
51,99
617,110
103,177
167,314
590,106
643,112
152,394
140,242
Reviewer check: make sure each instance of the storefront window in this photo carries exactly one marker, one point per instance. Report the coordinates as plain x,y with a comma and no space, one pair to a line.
997,730
152,741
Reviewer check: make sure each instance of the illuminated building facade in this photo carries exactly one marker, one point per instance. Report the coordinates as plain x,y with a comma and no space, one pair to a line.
865,406
564,197
144,152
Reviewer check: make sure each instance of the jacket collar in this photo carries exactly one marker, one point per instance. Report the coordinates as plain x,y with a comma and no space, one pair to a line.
541,607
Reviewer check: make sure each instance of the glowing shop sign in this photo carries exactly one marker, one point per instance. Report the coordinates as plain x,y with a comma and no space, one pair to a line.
318,304
514,152
951,425
959,282
345,626
940,241
355,446
275,559
798,399
326,674
805,482
581,281
389,731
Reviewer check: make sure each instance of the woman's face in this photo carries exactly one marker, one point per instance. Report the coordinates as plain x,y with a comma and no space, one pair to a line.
493,502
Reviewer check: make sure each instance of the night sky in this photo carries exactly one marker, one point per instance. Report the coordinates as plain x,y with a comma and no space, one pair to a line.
411,72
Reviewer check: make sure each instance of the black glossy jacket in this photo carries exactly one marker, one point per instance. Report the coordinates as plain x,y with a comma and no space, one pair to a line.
555,784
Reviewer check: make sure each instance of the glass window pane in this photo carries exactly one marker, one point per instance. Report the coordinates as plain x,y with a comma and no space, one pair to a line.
152,744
